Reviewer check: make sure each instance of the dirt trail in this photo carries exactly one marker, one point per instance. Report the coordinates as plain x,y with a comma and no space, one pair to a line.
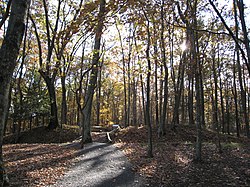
101,165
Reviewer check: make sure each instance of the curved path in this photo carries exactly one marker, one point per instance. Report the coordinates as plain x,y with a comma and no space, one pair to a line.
101,165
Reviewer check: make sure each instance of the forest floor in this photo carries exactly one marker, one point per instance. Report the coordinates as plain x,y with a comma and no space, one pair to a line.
42,157
173,164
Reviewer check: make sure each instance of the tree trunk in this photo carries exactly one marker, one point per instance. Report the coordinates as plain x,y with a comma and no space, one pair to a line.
6,119
194,54
63,102
143,99
147,106
183,109
215,111
53,123
8,59
135,123
198,117
227,110
49,79
234,73
179,88
191,100
235,94
98,98
156,76
161,129
129,81
222,105
246,42
86,111
242,15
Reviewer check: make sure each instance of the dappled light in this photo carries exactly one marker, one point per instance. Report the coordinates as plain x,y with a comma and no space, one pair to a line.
38,164
173,161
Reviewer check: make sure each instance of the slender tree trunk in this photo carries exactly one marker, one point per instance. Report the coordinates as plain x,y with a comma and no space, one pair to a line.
215,111
161,129
234,89
191,100
98,98
242,15
227,110
202,95
86,111
129,80
147,106
246,42
156,77
134,102
64,107
222,103
183,109
235,94
179,89
143,99
222,108
198,116
8,60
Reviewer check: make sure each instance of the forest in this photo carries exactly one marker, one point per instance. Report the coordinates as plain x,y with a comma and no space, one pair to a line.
159,70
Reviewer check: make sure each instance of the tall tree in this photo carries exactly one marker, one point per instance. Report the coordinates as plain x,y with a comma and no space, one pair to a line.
215,103
240,5
163,113
88,100
148,103
8,60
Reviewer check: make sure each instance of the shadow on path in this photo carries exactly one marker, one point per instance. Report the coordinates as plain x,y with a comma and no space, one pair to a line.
101,165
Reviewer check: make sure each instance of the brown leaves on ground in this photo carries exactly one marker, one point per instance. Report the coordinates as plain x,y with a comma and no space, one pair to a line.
173,163
37,160
43,135
36,164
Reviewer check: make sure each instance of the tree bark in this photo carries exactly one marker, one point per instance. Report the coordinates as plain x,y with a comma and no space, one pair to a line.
179,89
235,94
86,111
53,123
228,103
64,108
246,42
162,128
148,103
156,76
215,111
8,60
